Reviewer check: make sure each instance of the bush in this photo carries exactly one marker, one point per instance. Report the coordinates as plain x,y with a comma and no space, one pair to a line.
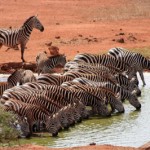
7,131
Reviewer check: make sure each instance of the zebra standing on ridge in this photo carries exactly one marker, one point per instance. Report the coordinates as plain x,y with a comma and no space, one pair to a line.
136,60
13,37
45,64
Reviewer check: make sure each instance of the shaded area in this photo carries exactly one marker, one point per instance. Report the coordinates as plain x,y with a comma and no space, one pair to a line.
11,66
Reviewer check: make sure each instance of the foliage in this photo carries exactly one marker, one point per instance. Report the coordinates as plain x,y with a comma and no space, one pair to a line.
7,131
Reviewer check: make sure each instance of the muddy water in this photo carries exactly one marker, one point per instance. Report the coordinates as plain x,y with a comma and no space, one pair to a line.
129,129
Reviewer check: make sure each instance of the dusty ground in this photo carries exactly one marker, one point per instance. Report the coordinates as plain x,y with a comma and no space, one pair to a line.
77,26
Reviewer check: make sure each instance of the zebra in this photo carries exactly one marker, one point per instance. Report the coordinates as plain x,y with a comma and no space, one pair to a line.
45,64
13,37
33,113
89,99
136,60
45,102
124,94
59,94
52,79
94,72
56,95
22,125
27,76
130,85
19,76
105,60
106,95
75,65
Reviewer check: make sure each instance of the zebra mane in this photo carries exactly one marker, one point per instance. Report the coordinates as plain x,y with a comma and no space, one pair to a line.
28,20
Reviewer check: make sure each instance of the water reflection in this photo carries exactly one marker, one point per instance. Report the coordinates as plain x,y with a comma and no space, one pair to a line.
128,129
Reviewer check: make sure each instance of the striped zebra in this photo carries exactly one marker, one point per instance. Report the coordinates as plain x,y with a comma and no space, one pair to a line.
45,102
89,100
105,60
12,80
45,64
94,72
75,65
19,76
57,93
136,60
33,114
13,37
52,79
127,84
22,125
124,94
115,75
106,95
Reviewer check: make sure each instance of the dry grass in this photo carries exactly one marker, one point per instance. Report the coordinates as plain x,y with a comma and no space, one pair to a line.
129,10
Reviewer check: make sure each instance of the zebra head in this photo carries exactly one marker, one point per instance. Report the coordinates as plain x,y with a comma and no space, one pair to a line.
76,114
53,125
63,117
82,110
134,101
37,24
117,104
62,60
70,116
103,110
42,56
23,125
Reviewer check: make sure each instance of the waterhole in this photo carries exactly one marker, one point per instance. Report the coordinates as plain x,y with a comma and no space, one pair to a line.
129,129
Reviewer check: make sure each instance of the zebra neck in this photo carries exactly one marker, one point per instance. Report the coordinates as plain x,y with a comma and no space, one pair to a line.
27,29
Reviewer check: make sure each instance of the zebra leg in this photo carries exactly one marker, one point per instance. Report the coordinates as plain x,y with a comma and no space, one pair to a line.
22,52
1,45
142,77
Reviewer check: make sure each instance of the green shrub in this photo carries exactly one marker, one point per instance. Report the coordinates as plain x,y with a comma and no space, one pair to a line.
7,132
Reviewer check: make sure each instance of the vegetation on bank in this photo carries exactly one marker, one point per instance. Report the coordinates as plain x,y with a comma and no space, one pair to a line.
7,131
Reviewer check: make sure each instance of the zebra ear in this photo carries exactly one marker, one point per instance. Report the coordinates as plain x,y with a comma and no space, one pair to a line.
36,15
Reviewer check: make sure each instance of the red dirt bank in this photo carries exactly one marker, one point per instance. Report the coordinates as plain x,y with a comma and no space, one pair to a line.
93,147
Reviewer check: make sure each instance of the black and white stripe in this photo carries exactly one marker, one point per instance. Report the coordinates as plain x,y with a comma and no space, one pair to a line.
33,114
45,64
136,60
13,37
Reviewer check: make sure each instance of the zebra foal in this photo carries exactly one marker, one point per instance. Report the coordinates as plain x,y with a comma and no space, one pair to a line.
20,36
45,64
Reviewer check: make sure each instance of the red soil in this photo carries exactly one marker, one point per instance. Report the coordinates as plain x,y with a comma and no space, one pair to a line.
72,25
